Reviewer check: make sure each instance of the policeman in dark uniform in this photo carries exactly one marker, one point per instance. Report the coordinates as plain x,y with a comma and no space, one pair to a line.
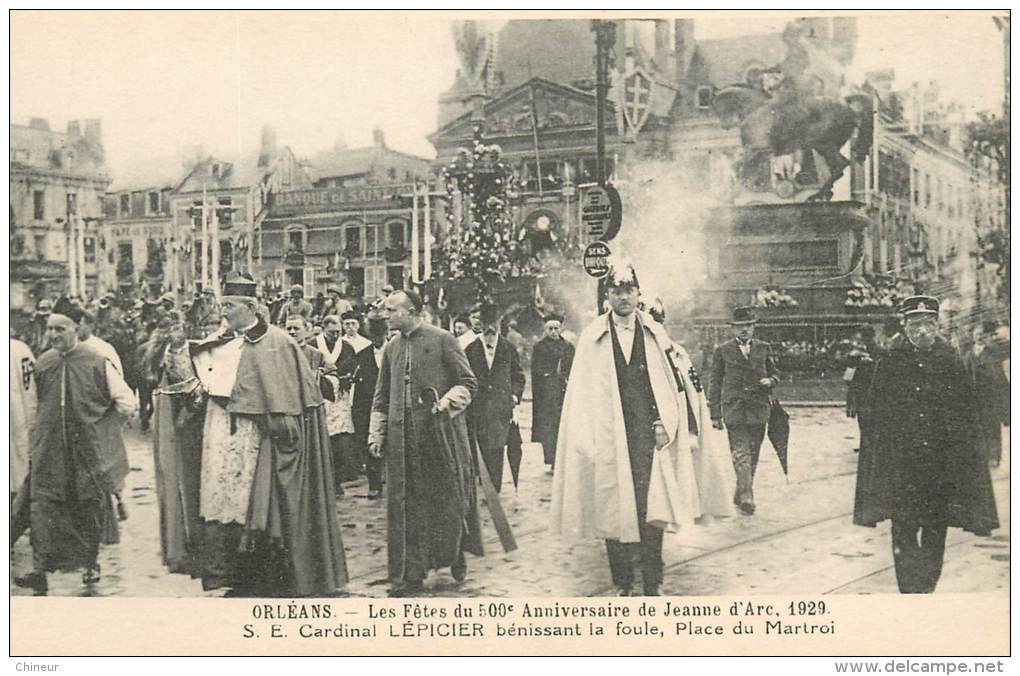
919,464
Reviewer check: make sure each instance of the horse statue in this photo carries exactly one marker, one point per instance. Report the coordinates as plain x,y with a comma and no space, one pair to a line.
785,122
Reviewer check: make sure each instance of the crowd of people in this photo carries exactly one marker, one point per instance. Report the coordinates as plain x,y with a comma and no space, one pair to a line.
261,413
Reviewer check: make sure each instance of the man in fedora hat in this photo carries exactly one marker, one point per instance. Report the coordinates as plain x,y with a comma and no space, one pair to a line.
920,465
740,390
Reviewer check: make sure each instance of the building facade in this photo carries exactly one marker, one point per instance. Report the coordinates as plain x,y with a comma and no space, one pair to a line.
137,227
352,229
57,182
217,208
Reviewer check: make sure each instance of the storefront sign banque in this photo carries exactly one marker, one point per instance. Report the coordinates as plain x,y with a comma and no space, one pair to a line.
305,201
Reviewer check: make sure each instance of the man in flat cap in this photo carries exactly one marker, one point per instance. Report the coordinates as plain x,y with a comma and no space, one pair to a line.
497,367
624,454
920,465
739,393
266,499
551,360
78,390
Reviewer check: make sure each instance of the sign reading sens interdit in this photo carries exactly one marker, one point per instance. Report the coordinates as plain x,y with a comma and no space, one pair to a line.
336,199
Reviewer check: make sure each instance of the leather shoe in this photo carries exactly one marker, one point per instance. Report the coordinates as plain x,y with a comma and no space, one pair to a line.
91,575
36,581
747,508
653,591
406,589
624,591
459,568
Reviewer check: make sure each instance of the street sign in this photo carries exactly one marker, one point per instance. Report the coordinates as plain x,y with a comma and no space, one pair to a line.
596,212
596,259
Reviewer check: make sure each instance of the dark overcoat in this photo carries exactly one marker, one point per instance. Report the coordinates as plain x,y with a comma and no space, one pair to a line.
422,493
551,360
735,393
492,406
919,461
991,392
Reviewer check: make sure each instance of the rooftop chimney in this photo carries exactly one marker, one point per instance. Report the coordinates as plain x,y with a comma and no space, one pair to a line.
40,123
683,46
74,130
378,138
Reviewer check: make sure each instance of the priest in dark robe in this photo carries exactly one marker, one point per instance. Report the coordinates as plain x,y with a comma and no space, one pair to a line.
363,378
920,465
268,522
79,390
551,359
431,508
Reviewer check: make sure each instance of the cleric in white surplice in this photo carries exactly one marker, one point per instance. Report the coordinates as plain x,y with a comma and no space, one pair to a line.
635,455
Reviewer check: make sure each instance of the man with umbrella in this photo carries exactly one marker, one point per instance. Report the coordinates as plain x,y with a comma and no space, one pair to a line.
920,464
424,385
740,399
497,367
550,366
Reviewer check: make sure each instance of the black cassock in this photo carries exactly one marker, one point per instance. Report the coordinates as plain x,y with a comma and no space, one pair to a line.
551,360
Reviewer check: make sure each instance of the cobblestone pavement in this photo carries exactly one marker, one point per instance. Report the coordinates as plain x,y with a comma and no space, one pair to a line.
800,541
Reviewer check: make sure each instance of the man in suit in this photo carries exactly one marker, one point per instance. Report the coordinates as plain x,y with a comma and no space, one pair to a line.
497,367
550,367
743,375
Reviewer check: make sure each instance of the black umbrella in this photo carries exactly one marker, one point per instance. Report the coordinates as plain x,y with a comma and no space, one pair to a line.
514,452
779,433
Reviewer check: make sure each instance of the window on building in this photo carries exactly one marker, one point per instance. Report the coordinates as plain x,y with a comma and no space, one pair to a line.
927,190
704,97
89,244
125,253
38,204
395,276
940,203
396,234
125,204
915,182
72,203
40,248
356,282
374,242
196,213
408,177
352,239
391,173
224,210
297,237
375,280
153,203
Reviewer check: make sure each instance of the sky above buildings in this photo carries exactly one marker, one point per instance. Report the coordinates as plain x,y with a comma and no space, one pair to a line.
163,81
